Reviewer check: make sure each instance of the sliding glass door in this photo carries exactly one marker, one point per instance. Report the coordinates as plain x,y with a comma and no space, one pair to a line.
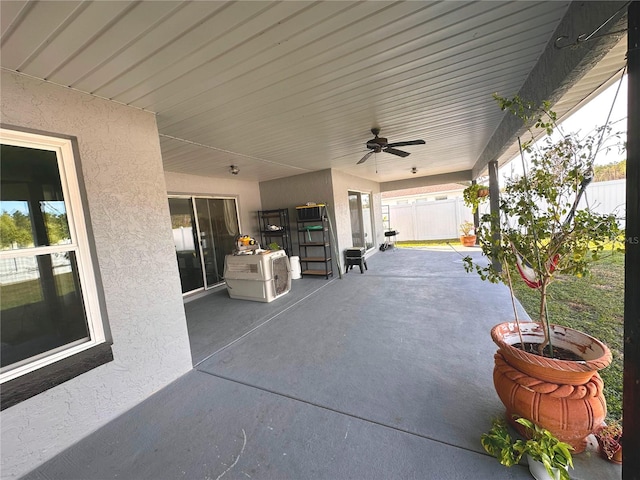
361,223
204,232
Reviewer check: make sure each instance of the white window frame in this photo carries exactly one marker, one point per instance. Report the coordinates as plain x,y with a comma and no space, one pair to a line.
63,149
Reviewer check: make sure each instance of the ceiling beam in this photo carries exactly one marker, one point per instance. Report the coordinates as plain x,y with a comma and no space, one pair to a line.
560,68
413,182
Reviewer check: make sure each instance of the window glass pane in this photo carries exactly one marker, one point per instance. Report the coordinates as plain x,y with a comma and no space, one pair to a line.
32,208
224,219
41,307
356,224
55,222
15,225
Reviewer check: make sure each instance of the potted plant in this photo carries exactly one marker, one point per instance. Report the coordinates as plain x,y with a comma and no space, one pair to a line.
546,372
609,437
474,194
468,239
548,457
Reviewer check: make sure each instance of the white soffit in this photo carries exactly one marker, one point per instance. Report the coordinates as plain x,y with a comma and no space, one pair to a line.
283,88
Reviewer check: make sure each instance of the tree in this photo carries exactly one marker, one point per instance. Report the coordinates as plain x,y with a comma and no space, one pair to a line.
542,232
15,229
610,171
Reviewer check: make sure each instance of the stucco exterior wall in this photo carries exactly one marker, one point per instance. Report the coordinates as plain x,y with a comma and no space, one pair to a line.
127,202
247,193
293,191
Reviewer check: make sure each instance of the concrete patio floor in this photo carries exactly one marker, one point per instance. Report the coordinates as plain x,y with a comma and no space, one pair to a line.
382,375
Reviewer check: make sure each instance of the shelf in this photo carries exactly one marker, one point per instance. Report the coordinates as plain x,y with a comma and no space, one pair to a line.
315,259
322,273
314,241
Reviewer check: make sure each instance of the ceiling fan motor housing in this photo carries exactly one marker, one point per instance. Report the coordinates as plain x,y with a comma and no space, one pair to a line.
377,142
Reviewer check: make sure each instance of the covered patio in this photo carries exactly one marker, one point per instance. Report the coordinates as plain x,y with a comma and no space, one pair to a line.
272,105
386,374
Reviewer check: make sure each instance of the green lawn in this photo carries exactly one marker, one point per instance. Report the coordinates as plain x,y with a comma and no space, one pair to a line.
30,291
593,305
428,243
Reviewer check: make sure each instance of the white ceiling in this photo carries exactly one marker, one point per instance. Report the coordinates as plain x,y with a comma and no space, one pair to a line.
282,88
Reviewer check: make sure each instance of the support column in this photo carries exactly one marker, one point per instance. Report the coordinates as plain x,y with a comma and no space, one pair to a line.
476,216
631,386
494,204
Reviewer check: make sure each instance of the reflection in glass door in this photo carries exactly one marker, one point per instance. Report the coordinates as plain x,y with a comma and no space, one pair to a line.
204,231
185,240
361,223
218,226
356,225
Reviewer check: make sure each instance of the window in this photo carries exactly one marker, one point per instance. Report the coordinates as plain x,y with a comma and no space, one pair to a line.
49,303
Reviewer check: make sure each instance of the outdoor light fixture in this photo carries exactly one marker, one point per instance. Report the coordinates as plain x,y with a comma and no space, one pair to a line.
414,170
234,170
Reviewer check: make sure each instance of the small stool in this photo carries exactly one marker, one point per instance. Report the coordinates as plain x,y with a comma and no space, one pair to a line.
355,256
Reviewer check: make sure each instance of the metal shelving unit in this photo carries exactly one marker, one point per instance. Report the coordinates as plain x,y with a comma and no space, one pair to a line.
314,241
269,220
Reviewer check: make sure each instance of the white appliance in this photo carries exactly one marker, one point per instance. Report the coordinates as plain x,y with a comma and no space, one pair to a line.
261,277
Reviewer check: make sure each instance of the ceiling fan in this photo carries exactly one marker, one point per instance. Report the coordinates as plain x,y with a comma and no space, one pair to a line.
379,144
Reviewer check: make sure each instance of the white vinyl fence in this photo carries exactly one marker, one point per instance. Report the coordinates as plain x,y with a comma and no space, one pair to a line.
441,219
430,220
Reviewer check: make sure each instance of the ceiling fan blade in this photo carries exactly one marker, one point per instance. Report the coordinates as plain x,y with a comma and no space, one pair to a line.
400,153
404,144
364,159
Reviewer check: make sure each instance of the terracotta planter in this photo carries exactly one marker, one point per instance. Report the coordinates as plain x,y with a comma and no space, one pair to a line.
483,192
535,387
468,240
595,354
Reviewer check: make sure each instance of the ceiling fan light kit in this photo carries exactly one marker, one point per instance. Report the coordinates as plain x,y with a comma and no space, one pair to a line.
380,144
